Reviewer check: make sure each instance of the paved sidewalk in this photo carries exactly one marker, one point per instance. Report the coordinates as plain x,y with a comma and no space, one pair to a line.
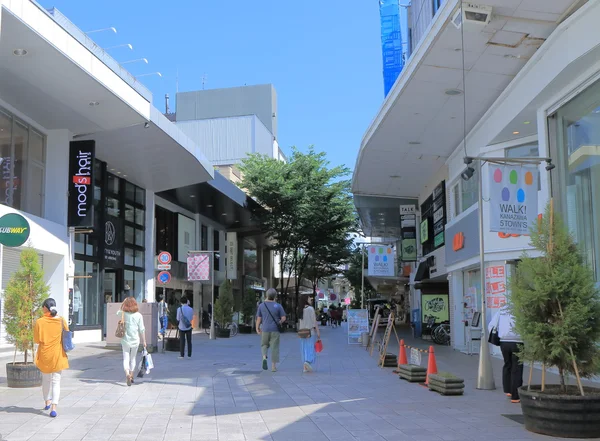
222,394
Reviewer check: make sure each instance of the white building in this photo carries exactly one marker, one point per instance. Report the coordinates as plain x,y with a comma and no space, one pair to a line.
530,87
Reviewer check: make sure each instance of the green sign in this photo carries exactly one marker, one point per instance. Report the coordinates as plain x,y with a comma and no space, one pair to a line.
435,305
14,230
424,231
438,240
409,250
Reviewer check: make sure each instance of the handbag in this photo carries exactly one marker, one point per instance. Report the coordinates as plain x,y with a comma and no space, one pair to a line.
304,333
494,338
319,346
67,339
120,331
279,327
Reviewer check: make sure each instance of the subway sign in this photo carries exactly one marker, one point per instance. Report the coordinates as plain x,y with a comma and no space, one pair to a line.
14,230
81,184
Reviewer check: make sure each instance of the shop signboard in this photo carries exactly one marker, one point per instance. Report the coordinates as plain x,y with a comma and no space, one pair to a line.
409,250
232,252
198,266
438,240
358,323
81,184
14,230
113,242
433,219
381,261
464,238
408,233
513,198
425,231
435,305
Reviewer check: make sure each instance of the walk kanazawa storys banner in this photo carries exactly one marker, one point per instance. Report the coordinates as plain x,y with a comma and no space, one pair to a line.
513,198
381,261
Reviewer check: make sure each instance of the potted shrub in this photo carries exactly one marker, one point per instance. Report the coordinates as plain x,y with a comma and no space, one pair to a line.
556,306
172,335
248,310
223,309
23,298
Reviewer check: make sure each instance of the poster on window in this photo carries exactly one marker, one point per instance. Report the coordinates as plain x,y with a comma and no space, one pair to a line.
513,198
435,306
381,261
495,286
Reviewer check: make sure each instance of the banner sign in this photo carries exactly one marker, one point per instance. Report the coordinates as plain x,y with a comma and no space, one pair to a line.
495,286
198,266
232,249
113,242
408,232
381,261
358,323
513,198
81,184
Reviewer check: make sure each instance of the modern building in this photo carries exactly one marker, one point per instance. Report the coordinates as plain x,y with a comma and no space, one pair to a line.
84,153
513,79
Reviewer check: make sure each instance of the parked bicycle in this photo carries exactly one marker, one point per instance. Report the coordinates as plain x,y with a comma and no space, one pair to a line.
233,327
441,334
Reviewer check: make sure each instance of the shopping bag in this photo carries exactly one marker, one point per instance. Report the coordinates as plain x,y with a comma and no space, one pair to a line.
149,363
142,367
319,346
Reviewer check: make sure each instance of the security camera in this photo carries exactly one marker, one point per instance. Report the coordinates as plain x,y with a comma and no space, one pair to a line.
549,165
467,173
146,125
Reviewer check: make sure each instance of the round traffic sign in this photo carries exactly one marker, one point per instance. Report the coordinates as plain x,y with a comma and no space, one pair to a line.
164,277
164,258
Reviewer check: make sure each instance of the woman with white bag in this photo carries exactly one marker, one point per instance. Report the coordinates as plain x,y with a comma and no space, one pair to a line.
131,330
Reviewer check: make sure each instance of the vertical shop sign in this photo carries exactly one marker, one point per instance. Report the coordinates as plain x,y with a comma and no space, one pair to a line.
513,198
232,251
495,286
81,184
381,261
113,242
439,215
408,232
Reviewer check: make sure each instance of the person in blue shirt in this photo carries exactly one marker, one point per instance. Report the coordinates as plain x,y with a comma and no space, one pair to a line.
185,315
269,317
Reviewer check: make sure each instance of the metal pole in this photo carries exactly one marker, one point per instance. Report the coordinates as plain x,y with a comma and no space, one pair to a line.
362,273
212,296
161,319
485,375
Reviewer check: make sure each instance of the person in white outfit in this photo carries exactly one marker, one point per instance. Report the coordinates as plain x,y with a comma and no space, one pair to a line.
512,372
134,332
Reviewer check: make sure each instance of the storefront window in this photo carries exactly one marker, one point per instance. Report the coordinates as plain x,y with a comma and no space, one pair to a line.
471,294
250,260
577,138
87,301
217,248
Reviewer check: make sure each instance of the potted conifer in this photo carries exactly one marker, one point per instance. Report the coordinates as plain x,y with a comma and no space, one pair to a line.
23,298
556,306
248,310
223,309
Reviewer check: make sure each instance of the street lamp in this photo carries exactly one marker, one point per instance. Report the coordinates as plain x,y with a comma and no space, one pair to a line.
145,60
102,30
485,375
118,46
148,74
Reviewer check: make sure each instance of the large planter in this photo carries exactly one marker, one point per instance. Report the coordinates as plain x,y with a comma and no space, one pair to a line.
566,416
245,329
23,375
223,333
172,344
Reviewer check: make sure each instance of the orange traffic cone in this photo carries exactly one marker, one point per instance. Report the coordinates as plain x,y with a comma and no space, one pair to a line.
402,355
431,364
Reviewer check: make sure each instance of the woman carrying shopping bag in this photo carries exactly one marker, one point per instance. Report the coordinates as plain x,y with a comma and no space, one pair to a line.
308,331
51,358
131,330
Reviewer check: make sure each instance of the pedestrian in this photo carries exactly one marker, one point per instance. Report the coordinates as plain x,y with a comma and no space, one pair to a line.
134,333
308,320
185,315
510,341
269,318
163,315
51,359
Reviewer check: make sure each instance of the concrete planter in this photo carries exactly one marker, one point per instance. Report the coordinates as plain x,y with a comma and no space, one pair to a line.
223,333
245,329
412,373
446,384
21,375
566,416
172,344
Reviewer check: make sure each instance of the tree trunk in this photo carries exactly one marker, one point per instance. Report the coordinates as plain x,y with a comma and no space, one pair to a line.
561,374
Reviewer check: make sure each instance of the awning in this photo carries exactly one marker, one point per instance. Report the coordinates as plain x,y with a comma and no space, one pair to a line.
422,271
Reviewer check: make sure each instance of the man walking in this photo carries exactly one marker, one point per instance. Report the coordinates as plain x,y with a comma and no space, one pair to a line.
269,318
185,315
163,315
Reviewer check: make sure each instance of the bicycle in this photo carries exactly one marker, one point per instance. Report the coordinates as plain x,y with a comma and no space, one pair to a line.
441,334
233,328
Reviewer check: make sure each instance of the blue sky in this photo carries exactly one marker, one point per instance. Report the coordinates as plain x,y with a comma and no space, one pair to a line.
323,57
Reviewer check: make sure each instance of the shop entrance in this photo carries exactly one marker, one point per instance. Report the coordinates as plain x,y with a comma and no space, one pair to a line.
112,289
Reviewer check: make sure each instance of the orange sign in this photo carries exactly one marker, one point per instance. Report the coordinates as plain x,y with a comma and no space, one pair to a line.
458,242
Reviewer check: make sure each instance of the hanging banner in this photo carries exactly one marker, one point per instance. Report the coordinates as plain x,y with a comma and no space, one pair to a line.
232,249
198,266
381,261
81,184
513,198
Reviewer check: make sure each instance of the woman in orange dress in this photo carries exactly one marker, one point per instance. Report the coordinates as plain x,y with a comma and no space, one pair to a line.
51,358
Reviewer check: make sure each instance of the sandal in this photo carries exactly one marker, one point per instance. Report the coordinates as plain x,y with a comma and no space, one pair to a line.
128,380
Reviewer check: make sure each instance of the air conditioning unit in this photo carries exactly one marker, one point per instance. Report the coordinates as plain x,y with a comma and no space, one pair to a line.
472,14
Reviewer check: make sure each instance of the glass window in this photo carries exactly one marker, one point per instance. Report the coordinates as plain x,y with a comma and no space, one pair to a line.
217,248
112,207
139,259
79,243
113,184
204,238
130,191
129,283
87,308
456,200
139,286
470,191
129,235
578,138
129,257
471,294
91,245
129,213
36,146
140,216
20,141
140,196
35,189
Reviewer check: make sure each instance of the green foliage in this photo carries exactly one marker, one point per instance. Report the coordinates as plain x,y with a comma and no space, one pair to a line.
23,298
304,206
555,302
223,309
248,306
